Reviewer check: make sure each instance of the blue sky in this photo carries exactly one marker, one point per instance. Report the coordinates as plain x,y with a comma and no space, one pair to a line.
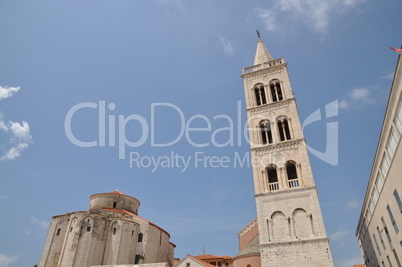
57,54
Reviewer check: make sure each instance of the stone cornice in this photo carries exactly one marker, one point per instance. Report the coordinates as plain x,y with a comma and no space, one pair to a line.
273,65
271,106
276,243
284,193
263,72
285,145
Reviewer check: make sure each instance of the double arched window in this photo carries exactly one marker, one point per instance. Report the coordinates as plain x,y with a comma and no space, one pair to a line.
291,176
260,97
276,90
266,133
283,128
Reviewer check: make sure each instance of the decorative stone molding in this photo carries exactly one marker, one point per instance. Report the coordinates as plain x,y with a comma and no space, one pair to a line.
285,145
271,106
248,227
263,73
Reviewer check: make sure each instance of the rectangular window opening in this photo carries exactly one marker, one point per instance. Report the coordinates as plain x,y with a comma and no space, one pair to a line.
398,200
391,216
396,258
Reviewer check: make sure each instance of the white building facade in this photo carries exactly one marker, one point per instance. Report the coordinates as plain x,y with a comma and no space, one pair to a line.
380,223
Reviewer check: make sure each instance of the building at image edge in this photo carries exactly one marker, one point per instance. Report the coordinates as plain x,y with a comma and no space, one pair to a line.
380,224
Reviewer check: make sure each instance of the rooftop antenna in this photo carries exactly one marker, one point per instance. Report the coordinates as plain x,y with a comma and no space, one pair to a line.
203,250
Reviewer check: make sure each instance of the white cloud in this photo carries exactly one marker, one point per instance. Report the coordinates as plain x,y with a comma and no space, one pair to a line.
388,76
20,133
343,104
42,224
268,18
357,97
354,204
19,140
6,260
6,92
226,45
360,94
338,236
315,14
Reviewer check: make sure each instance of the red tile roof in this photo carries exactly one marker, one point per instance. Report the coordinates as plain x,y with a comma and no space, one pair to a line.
211,257
203,262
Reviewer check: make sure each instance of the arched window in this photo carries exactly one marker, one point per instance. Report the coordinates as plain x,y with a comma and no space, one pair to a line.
272,178
283,128
276,90
260,97
266,133
140,236
291,172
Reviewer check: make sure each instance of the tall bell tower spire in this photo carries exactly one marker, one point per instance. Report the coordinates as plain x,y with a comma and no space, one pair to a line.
290,225
262,55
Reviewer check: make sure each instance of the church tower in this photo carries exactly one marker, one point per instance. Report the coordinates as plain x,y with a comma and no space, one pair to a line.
290,225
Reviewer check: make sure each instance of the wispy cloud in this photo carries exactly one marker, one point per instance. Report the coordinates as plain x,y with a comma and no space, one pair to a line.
27,231
357,97
268,17
315,14
6,260
354,204
6,92
20,136
41,224
226,45
388,76
339,235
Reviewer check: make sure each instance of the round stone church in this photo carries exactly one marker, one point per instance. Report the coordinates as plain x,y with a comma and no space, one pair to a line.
109,233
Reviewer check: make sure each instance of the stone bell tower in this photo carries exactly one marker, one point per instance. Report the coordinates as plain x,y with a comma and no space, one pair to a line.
290,225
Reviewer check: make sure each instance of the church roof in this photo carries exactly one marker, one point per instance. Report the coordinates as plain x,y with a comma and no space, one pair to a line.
117,192
136,216
252,248
210,256
261,55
